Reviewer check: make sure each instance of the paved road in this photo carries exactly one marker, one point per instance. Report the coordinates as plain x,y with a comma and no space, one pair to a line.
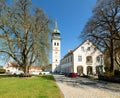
87,88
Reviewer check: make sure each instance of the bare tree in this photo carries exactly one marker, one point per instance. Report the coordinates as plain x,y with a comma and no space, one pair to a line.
24,33
117,53
117,58
104,26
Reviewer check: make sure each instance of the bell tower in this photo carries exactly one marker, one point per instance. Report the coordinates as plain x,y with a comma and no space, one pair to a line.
56,39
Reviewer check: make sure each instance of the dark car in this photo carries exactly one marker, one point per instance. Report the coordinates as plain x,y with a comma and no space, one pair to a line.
72,75
66,74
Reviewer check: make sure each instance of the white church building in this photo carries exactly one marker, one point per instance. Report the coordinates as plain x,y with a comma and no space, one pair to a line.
85,59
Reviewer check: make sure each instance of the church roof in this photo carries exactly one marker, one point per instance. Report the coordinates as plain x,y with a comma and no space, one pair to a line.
35,68
56,30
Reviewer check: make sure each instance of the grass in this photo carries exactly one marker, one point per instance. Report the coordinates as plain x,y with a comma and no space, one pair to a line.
33,87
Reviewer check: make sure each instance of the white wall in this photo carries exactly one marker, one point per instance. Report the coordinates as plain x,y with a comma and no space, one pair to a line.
79,51
94,52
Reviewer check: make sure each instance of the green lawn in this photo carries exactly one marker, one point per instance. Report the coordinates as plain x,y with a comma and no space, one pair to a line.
33,87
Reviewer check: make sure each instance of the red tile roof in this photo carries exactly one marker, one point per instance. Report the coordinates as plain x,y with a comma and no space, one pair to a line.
35,67
12,64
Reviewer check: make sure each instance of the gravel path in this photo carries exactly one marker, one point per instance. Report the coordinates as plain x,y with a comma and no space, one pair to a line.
74,90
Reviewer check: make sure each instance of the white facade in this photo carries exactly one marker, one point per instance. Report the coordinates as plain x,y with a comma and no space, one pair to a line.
35,70
11,68
85,59
55,49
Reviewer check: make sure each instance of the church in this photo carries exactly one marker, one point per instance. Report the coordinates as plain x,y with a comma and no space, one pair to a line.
85,59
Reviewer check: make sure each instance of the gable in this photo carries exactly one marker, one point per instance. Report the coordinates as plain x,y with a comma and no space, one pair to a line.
87,46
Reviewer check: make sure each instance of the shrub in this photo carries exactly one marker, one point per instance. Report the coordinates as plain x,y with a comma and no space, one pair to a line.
106,69
24,75
117,73
2,71
109,74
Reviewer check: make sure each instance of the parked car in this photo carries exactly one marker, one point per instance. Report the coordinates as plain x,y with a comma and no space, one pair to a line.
66,74
72,75
17,72
45,73
61,73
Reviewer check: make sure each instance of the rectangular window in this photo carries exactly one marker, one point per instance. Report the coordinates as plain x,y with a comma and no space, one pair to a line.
79,58
82,48
71,59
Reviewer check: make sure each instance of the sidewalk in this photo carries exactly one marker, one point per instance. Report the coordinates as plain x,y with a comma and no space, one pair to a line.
82,91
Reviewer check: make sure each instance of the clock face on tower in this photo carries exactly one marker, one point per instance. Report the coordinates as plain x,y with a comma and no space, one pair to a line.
56,48
56,52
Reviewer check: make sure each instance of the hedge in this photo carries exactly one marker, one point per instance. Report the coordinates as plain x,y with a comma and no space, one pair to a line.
2,70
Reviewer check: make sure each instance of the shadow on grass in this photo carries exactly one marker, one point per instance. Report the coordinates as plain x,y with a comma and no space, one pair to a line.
48,77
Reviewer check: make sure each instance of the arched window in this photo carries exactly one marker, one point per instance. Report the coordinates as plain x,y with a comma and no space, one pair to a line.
80,70
89,70
98,59
54,43
88,49
57,44
89,59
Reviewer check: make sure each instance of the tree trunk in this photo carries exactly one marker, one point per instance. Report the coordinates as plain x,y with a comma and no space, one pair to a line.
26,70
111,56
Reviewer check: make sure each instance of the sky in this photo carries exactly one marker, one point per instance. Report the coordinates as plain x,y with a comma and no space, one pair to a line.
71,17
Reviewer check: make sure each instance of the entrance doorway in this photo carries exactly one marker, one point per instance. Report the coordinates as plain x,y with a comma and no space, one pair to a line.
89,70
97,70
80,70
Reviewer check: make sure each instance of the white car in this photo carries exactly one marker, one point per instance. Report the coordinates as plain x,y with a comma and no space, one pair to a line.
17,72
45,73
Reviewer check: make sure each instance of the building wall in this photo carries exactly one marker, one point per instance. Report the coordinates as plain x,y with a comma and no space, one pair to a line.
12,70
83,53
67,64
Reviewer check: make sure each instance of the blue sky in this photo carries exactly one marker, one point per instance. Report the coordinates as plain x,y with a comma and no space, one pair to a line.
71,16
